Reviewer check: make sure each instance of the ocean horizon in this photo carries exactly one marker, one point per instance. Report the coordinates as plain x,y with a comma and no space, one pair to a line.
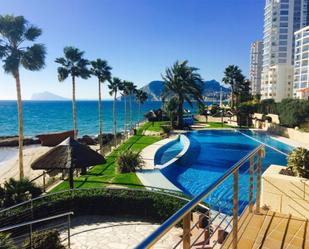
56,116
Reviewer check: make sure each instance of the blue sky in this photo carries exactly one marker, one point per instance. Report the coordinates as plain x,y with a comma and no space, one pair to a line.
139,38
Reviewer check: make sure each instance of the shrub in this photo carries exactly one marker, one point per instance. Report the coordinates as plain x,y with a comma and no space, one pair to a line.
44,240
267,106
150,205
166,129
6,242
16,191
129,161
293,112
298,162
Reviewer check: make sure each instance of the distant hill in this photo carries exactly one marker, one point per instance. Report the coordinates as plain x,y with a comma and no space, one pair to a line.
211,90
46,96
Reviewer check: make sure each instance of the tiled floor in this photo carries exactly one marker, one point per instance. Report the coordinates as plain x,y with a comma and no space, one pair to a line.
93,232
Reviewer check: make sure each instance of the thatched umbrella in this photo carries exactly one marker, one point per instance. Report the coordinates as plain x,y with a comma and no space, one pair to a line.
69,155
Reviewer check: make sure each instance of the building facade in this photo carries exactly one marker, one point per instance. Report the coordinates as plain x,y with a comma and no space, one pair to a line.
301,65
281,19
256,60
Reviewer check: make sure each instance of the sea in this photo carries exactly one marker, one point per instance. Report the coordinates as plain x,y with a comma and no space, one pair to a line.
55,116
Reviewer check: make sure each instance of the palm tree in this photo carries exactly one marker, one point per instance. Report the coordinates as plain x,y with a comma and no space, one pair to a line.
141,97
234,77
73,64
102,71
131,89
184,83
125,93
114,86
16,34
170,107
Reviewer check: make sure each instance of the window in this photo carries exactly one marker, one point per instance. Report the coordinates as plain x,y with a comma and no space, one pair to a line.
284,12
282,49
284,18
283,43
283,37
283,31
282,55
284,24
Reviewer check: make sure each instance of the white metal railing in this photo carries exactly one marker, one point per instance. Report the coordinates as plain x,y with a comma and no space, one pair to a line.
218,222
30,224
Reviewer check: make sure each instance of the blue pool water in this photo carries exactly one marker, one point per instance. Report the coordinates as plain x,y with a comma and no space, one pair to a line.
211,154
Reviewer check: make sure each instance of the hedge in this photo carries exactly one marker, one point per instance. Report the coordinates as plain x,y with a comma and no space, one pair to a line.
149,205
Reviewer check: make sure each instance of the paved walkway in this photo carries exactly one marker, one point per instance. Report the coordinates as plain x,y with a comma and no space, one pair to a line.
149,175
93,232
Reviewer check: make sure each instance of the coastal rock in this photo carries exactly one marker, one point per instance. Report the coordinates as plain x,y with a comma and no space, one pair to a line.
12,141
87,140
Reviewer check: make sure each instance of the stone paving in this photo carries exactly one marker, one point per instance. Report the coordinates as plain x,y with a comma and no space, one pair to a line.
94,232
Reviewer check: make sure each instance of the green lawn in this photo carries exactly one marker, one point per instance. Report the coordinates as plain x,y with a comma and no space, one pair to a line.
105,174
217,125
156,126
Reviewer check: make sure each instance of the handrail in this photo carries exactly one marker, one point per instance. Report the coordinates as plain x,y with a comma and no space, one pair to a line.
178,216
35,221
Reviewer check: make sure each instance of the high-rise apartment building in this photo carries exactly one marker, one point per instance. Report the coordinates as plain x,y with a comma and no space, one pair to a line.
301,65
256,60
281,19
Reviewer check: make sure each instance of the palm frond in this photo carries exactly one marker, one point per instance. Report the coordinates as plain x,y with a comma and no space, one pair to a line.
63,73
34,57
32,33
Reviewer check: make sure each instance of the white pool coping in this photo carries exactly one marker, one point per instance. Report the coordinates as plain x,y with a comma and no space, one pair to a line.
151,175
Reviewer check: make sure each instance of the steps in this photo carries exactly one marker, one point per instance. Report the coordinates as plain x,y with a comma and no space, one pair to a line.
271,230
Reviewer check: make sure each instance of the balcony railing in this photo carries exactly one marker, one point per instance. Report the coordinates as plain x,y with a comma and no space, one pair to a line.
224,207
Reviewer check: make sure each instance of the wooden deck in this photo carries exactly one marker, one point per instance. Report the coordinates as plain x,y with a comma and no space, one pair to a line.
270,230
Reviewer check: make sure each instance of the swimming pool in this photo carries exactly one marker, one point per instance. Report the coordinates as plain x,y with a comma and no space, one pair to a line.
210,155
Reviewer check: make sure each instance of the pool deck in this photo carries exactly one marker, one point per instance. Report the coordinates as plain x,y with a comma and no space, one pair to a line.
150,175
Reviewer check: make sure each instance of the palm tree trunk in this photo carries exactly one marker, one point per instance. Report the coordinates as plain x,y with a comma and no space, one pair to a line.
131,111
139,112
100,117
74,107
114,111
125,114
20,127
180,114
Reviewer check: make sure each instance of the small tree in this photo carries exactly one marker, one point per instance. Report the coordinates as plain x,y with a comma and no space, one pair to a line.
18,191
293,112
49,239
298,162
129,161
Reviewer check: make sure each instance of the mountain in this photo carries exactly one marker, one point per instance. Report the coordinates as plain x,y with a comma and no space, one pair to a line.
211,90
46,96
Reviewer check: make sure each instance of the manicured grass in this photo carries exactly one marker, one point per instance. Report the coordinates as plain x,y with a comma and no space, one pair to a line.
156,126
105,174
217,125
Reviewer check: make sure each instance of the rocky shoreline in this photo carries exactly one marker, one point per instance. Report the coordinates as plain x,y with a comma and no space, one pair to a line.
12,141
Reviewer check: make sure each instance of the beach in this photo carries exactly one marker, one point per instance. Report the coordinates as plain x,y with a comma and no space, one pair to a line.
9,161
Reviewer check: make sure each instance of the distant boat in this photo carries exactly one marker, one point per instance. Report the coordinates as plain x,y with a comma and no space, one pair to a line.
53,139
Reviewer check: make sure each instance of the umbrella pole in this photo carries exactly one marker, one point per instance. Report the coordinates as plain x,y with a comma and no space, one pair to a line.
71,178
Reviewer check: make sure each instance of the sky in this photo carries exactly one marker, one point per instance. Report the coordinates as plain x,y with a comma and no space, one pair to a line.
139,38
